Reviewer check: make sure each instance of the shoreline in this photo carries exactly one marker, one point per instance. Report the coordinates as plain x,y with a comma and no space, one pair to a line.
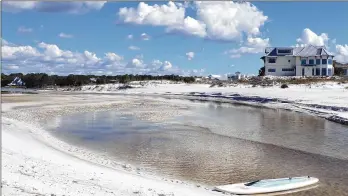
66,104
315,110
46,152
326,100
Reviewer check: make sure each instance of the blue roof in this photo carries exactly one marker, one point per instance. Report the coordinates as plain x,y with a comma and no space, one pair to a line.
306,51
17,82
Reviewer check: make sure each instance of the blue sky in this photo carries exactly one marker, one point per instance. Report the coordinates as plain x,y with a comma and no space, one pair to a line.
198,38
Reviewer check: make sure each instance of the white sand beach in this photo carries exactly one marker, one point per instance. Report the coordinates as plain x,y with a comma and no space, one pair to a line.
35,163
326,98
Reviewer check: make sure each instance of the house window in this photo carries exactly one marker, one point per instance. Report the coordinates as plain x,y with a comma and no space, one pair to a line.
317,71
271,60
311,61
319,51
288,69
323,71
324,61
303,61
313,72
329,71
271,70
330,61
284,51
317,61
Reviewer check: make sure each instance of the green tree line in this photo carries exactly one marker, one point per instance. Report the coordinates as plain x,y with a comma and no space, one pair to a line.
41,80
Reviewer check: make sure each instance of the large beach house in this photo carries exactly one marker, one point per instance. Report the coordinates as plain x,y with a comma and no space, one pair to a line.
298,61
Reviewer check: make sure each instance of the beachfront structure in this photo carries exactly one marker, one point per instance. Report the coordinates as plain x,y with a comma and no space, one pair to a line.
214,77
298,61
93,80
343,66
236,76
16,82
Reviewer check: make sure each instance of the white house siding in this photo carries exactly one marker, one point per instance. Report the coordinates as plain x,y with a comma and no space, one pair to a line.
298,66
278,70
282,62
308,70
285,63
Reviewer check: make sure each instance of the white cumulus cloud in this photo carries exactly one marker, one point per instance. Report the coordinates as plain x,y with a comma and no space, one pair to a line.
133,48
12,67
12,52
227,20
235,56
341,53
113,56
23,29
52,59
309,37
145,36
190,55
67,7
215,20
14,6
130,36
156,64
64,35
53,51
4,42
136,63
157,15
163,67
166,66
190,26
91,58
251,46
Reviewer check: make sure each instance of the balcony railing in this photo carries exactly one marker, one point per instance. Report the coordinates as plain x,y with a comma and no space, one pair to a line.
306,64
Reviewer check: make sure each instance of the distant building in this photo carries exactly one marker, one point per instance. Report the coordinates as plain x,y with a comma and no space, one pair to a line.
198,78
236,76
298,61
343,66
93,79
17,82
214,77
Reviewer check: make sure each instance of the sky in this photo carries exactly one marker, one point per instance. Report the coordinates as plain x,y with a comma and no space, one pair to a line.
185,38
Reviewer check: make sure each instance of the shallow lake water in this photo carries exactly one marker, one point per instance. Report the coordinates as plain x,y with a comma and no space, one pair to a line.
216,144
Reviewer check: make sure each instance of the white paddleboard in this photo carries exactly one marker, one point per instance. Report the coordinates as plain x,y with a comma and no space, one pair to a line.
268,185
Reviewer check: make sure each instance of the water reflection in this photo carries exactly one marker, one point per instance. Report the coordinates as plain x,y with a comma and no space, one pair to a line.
219,144
282,128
